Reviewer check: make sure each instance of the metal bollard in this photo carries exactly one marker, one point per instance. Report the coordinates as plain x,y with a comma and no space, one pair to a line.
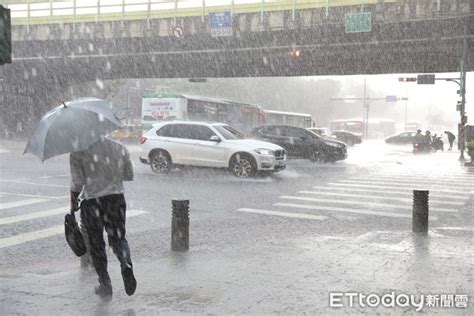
180,225
420,211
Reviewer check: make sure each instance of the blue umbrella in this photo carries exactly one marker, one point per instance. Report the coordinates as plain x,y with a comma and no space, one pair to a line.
73,126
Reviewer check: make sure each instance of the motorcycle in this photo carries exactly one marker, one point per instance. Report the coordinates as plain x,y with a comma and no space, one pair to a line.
421,148
437,144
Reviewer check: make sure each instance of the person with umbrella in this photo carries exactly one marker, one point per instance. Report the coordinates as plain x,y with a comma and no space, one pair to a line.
99,166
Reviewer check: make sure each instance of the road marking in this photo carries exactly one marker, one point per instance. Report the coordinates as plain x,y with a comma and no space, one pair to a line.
348,210
40,184
44,233
400,184
407,182
25,217
283,214
384,186
4,206
366,196
423,178
394,192
364,203
34,195
414,176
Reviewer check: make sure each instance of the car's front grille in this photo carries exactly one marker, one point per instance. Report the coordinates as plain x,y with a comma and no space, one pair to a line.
279,154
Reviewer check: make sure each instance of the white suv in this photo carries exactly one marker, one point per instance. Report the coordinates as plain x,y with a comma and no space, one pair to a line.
208,145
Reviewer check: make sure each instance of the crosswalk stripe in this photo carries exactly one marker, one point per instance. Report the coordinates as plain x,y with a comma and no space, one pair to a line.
430,178
372,196
400,184
33,183
358,202
403,181
25,217
4,206
283,214
48,232
348,210
393,192
385,186
416,176
35,195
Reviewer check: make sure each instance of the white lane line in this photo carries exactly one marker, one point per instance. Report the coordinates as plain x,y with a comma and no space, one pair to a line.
4,206
48,232
407,182
421,179
35,195
25,217
283,214
46,177
393,192
364,203
400,184
347,210
34,183
414,176
387,187
372,196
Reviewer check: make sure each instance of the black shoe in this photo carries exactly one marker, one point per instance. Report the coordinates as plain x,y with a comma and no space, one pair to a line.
104,290
129,281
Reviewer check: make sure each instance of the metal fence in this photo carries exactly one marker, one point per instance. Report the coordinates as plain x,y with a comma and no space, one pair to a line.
70,11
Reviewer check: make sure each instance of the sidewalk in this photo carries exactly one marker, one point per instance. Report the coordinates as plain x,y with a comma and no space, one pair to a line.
283,277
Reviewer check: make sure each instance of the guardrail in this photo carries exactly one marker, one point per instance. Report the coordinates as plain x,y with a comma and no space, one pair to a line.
32,12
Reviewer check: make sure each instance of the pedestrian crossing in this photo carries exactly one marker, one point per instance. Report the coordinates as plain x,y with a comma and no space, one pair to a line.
382,195
21,225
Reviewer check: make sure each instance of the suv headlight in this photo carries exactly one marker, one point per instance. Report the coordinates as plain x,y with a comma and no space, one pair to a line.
266,152
333,145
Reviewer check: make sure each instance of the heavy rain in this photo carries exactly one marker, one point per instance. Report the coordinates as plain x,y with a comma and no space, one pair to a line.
295,157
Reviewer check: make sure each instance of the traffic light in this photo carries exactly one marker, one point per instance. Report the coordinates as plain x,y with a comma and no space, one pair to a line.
459,106
5,36
295,53
407,79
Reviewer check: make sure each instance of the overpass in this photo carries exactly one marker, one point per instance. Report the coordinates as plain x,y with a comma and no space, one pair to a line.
60,44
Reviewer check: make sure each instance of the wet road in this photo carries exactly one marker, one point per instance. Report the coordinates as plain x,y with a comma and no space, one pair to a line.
370,191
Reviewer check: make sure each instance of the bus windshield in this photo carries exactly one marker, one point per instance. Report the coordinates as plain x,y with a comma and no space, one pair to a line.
228,132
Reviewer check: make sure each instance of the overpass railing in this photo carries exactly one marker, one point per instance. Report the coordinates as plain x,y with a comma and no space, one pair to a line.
29,12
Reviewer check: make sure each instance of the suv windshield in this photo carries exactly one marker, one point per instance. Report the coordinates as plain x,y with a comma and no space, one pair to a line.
228,132
315,135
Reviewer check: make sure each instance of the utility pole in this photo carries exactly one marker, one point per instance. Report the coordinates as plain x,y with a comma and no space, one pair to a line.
366,106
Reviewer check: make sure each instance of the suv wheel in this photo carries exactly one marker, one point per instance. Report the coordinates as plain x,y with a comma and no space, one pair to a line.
160,162
243,165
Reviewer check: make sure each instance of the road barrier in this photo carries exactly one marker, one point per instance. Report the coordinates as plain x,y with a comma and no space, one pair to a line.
180,225
420,211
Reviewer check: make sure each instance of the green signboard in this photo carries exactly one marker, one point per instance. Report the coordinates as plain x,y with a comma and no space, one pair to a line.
358,22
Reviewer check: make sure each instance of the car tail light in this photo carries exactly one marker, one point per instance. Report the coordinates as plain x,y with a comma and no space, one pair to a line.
142,140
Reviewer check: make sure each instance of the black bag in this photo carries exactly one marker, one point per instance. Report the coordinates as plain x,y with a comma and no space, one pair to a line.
73,235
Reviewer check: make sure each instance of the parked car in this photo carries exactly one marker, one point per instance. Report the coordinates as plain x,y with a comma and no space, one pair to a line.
208,145
348,138
402,138
321,131
301,143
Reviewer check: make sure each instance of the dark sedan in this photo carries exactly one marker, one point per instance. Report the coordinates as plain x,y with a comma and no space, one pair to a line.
401,139
301,143
347,137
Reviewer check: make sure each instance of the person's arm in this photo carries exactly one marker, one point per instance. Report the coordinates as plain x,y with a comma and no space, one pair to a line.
127,166
77,180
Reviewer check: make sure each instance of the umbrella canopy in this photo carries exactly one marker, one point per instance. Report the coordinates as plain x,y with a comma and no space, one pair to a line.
73,126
